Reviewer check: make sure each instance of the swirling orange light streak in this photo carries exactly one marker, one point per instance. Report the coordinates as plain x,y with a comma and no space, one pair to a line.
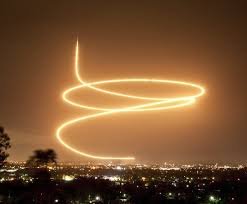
153,104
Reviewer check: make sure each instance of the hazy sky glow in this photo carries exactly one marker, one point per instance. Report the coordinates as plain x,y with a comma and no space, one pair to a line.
200,42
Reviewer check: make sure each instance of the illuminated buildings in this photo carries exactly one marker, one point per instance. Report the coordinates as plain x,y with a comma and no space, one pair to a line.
129,183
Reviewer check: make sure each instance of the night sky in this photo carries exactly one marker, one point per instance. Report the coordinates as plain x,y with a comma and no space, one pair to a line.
199,41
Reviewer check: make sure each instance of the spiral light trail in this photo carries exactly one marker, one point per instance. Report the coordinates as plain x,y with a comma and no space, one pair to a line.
151,104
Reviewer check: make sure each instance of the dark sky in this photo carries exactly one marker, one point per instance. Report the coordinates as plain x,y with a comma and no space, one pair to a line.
200,41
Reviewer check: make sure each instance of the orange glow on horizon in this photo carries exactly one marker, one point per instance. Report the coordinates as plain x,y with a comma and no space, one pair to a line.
152,103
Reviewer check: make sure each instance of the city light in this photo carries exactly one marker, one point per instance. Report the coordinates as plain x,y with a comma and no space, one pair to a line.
196,178
97,198
211,198
68,178
151,104
214,199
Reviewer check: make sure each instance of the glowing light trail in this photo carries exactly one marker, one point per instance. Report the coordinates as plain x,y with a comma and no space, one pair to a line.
152,103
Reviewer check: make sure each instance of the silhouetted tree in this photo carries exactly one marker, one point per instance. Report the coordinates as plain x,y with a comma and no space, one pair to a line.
4,146
42,158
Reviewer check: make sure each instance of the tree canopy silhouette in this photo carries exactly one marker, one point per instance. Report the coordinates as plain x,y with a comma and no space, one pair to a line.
42,158
4,146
